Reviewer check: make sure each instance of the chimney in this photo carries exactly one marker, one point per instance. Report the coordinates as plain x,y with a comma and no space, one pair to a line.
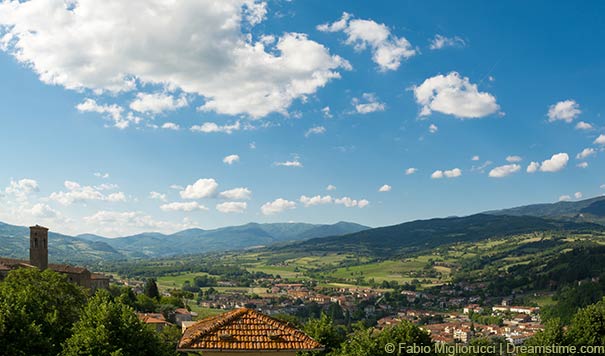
38,246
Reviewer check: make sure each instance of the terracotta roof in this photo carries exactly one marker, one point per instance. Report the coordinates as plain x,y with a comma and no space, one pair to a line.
67,269
98,276
245,330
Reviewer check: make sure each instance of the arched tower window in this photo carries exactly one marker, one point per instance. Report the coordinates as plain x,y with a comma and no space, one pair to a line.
44,240
36,242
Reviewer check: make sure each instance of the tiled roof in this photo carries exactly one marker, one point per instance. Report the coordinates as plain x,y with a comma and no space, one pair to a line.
67,269
245,330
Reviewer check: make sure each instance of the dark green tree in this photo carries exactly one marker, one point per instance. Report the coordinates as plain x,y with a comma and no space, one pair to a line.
324,331
37,311
110,328
588,326
151,289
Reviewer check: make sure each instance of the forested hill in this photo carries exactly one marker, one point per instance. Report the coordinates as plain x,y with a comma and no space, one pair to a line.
425,234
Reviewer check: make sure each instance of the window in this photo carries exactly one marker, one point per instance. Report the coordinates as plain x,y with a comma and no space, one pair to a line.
44,240
36,242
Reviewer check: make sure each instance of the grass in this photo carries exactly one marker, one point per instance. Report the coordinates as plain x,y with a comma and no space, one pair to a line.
169,282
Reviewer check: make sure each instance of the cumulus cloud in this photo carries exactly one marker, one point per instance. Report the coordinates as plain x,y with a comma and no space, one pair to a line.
101,175
212,127
385,188
505,170
578,195
583,126
231,159
451,173
43,211
237,194
171,126
556,163
564,198
439,42
157,103
293,163
183,206
582,165
587,152
514,159
158,196
566,111
326,112
352,203
111,112
475,158
411,171
330,187
21,188
316,130
202,188
315,200
80,193
108,220
198,47
232,207
277,206
600,140
433,128
367,104
388,50
454,95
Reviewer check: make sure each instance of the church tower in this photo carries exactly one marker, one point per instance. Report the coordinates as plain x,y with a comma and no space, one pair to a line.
38,246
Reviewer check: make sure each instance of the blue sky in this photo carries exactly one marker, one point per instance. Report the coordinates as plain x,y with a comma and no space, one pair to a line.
122,117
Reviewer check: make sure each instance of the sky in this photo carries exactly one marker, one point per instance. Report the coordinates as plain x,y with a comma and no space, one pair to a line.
122,117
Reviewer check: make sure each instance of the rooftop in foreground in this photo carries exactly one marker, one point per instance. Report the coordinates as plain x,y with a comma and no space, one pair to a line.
245,330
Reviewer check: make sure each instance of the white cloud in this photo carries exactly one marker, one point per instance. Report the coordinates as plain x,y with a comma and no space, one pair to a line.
330,187
583,126
564,198
157,103
388,50
183,206
326,112
514,159
176,187
475,158
232,207
202,188
566,110
101,175
277,206
385,188
231,159
600,140
452,173
110,219
158,196
454,95
315,200
200,47
293,163
556,163
533,167
433,128
587,152
369,105
582,165
351,203
41,210
505,170
316,130
22,188
411,171
171,126
79,193
578,195
237,194
211,127
111,112
440,42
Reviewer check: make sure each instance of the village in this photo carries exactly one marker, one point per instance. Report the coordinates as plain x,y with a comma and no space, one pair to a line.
450,313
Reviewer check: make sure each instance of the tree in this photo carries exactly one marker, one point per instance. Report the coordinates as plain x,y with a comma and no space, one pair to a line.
151,289
324,331
588,326
110,328
372,342
37,310
552,334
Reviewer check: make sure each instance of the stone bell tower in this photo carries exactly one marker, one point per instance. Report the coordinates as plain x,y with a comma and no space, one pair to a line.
38,246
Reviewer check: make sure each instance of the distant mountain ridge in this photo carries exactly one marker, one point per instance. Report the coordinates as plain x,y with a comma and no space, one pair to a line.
89,248
587,210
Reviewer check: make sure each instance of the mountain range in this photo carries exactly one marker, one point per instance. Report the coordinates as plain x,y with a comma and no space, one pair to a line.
89,248
411,236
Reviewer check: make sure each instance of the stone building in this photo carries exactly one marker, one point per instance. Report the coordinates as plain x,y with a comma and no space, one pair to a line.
38,258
